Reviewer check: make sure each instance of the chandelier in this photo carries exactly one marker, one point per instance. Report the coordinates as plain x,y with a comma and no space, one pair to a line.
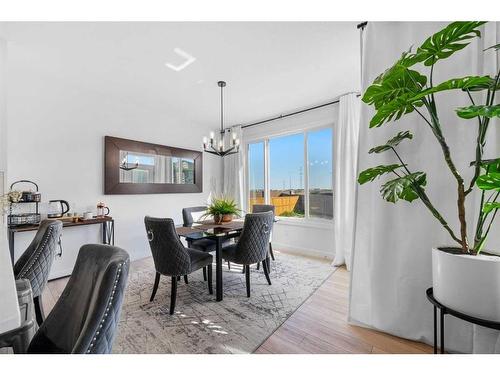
218,146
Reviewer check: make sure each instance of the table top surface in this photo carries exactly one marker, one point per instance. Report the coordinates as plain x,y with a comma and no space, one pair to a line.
208,229
66,223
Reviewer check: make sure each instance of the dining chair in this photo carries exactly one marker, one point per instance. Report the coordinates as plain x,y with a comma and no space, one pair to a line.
84,319
170,256
35,263
253,244
189,216
265,208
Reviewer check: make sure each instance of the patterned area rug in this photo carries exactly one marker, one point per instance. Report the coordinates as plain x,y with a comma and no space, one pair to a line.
200,324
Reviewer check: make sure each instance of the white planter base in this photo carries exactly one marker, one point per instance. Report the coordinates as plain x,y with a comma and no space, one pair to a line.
468,284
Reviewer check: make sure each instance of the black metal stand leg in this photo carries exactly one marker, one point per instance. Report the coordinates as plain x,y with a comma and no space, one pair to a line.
11,246
104,233
435,331
218,270
441,328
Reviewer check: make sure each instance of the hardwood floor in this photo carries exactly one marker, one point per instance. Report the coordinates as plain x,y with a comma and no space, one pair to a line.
318,326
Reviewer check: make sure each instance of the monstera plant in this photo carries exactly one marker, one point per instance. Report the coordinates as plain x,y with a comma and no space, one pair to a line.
408,87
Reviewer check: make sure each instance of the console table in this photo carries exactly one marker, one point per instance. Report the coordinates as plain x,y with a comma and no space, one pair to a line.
443,310
107,223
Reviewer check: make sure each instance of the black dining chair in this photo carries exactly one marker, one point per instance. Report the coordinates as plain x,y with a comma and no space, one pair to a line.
85,318
170,256
253,244
204,244
265,208
35,263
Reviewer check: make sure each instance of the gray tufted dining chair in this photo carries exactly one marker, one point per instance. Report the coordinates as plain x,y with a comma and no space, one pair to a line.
85,318
170,256
265,208
35,263
253,245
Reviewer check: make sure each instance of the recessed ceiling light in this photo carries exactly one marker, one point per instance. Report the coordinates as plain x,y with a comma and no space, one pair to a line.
189,60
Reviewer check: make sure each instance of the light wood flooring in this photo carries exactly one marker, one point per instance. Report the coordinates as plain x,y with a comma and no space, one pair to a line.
318,326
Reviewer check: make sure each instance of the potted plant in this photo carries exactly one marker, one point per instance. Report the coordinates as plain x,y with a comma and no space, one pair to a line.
222,210
465,278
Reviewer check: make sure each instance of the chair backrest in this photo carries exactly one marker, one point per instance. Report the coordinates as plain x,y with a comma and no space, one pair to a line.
36,261
253,244
187,214
85,318
169,254
263,208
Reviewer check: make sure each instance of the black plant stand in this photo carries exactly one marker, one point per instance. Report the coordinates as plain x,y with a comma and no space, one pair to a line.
443,310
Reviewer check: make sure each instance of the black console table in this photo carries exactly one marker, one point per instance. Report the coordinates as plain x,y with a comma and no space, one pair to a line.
107,222
443,310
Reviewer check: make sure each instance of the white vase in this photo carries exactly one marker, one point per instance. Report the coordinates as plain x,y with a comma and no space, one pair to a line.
466,283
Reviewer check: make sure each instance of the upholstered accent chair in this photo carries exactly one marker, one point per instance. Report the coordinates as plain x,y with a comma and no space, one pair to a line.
204,244
253,244
35,263
85,318
170,256
265,208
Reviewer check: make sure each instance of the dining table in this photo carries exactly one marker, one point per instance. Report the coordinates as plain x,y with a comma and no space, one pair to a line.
219,233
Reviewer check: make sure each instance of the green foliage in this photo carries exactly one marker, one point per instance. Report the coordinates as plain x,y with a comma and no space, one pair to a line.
223,206
496,47
391,143
371,174
490,206
473,111
291,214
404,187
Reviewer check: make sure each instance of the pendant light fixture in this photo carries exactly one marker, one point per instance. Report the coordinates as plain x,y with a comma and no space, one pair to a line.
218,146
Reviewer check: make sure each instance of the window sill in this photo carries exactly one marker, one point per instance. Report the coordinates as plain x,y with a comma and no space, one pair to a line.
306,223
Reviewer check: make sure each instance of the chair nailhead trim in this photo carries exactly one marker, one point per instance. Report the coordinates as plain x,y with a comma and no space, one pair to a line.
110,302
39,252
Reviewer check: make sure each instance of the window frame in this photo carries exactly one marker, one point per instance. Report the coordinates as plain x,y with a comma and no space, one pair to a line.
307,219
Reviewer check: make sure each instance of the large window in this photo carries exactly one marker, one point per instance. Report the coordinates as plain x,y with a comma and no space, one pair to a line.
286,175
296,175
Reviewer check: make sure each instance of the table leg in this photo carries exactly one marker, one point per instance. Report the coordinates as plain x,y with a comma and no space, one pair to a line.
104,230
218,270
441,327
435,330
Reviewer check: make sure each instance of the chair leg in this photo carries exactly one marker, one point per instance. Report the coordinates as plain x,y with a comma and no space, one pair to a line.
155,287
210,289
204,273
40,315
247,276
186,279
271,250
173,294
228,265
178,278
258,266
265,266
242,269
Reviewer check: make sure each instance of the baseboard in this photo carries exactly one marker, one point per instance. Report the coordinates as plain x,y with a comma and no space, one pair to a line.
303,251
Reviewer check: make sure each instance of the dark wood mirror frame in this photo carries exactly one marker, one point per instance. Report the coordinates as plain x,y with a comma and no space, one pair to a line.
112,184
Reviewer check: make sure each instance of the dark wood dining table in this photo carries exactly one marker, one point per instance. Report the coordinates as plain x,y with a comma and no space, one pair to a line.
218,233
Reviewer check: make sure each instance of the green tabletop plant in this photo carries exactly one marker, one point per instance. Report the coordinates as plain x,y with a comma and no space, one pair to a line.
408,87
222,209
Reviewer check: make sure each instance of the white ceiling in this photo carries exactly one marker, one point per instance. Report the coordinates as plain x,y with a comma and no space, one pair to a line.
270,67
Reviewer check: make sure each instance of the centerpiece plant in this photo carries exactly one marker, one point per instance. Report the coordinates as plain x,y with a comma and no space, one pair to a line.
409,87
222,209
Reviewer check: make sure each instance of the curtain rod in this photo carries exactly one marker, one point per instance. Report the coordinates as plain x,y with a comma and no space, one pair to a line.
293,113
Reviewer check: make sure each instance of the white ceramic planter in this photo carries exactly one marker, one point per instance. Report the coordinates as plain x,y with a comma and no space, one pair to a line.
468,284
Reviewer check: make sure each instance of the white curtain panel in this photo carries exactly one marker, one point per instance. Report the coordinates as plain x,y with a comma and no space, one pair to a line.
392,252
233,172
346,138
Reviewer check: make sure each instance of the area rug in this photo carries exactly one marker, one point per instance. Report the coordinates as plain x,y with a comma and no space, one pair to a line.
200,324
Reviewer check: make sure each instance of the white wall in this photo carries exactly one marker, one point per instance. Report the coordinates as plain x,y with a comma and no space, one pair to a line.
310,237
55,137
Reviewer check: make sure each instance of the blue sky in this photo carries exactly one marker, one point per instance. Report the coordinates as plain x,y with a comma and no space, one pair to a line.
287,161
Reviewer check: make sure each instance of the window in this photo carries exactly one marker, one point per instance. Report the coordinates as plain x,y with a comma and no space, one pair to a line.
293,173
319,148
256,192
286,175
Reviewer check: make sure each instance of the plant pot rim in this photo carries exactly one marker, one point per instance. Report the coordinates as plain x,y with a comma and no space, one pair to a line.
457,251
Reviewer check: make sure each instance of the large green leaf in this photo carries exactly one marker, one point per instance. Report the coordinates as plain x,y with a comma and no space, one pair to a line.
404,104
488,207
489,181
403,187
447,41
393,142
371,174
473,111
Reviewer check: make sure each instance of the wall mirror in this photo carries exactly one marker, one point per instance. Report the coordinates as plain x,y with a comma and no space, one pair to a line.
133,167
